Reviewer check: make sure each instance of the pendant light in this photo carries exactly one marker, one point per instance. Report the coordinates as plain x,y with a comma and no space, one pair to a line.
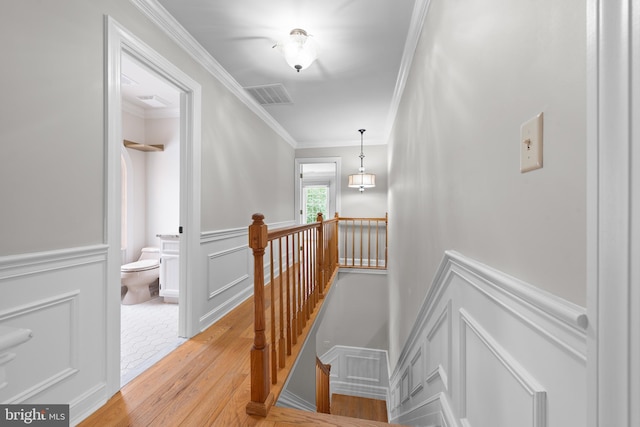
362,180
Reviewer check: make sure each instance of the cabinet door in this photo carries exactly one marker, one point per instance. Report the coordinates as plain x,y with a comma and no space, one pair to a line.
169,275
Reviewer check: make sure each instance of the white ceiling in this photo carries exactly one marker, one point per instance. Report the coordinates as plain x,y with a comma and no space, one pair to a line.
350,86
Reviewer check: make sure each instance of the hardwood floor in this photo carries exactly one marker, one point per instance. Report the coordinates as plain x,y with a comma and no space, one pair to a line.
359,407
206,382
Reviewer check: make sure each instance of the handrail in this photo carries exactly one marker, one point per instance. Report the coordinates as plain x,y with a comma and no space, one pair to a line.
303,261
364,242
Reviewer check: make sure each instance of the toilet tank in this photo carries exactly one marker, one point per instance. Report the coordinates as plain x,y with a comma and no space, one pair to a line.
149,253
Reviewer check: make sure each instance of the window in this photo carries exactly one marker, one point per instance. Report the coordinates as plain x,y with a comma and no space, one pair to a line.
315,200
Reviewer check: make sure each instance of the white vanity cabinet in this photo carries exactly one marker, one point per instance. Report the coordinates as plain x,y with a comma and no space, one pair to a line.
169,267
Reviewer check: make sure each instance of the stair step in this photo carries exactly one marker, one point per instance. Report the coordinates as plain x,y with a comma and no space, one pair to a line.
359,407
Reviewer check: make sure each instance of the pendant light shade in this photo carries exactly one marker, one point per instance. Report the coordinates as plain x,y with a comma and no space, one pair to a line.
362,180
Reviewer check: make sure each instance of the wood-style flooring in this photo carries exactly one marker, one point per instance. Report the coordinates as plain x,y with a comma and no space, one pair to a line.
206,382
359,407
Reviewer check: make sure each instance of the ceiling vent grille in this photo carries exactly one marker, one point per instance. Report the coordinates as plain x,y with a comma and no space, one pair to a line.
274,94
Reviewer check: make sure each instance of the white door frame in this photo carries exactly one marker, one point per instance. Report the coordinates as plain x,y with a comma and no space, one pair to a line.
119,40
613,212
298,182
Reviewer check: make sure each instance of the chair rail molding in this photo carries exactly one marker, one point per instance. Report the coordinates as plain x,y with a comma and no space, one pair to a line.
481,335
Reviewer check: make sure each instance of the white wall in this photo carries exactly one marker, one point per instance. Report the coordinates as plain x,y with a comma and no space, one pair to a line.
163,179
490,350
360,301
480,70
53,252
373,202
155,181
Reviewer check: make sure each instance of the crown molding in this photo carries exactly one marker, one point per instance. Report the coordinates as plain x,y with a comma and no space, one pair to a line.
167,23
339,144
418,16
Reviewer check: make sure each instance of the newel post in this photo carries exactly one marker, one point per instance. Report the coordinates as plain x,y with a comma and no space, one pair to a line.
320,257
261,396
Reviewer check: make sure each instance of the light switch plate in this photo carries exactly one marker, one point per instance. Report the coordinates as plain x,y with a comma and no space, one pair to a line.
531,144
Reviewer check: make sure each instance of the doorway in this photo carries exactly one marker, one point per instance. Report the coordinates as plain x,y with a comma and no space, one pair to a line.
317,188
122,44
150,202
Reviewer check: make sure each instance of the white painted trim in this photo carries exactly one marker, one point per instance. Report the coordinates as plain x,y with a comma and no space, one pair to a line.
508,309
298,162
613,198
167,23
70,298
220,311
562,313
563,310
418,16
216,235
34,263
237,280
352,142
528,382
118,40
291,400
80,408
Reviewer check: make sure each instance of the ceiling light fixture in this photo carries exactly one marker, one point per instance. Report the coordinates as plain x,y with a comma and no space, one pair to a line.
362,180
299,49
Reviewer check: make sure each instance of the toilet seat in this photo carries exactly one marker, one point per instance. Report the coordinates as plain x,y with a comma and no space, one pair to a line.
142,265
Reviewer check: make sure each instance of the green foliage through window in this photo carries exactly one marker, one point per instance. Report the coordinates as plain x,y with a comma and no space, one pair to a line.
316,200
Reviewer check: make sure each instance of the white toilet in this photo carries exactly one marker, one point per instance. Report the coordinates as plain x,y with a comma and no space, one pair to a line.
138,275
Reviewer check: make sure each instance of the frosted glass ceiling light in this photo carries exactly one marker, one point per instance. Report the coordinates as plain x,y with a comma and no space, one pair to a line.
299,49
362,180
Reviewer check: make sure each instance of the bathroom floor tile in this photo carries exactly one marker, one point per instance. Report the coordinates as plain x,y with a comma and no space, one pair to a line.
149,331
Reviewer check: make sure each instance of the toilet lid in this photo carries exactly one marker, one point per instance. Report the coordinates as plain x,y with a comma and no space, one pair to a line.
145,264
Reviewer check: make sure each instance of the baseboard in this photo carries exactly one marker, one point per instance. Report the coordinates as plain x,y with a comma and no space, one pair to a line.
290,400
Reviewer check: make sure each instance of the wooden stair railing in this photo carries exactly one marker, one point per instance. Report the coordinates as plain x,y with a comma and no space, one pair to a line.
363,242
302,263
323,394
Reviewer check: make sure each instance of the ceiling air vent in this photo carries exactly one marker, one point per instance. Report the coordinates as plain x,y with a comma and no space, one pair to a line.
274,94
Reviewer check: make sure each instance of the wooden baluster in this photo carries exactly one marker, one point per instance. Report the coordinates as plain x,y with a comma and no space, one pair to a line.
353,243
261,396
320,257
309,274
300,281
282,306
361,236
305,281
288,302
369,243
337,239
386,238
294,310
274,358
377,243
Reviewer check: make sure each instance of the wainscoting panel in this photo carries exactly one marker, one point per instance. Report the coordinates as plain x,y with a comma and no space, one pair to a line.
495,351
358,371
60,297
229,274
228,268
521,401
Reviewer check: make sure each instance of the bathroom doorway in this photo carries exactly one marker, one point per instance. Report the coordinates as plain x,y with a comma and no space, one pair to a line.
150,221
121,42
